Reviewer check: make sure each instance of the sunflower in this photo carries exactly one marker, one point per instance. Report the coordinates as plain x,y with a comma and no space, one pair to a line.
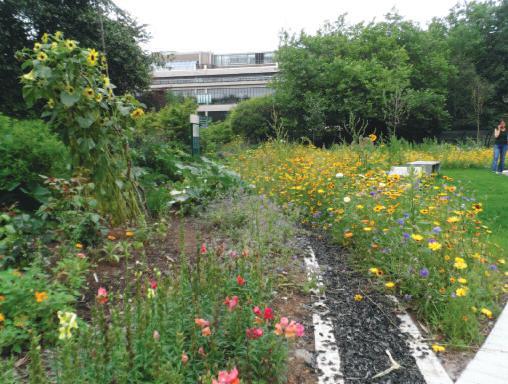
98,97
51,103
106,81
138,112
88,92
70,44
37,46
69,88
92,57
59,35
41,56
45,38
372,137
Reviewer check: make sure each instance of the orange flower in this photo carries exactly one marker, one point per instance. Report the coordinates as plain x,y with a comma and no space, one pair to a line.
129,233
41,296
206,331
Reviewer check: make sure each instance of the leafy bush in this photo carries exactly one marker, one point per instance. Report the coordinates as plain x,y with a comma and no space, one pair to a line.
215,135
73,209
171,123
28,304
22,238
252,118
27,150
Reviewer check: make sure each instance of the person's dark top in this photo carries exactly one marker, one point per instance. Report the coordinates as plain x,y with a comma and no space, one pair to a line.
502,138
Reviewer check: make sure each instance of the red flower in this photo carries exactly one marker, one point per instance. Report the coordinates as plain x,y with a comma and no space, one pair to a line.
153,284
257,311
231,303
254,333
203,248
268,314
102,295
240,280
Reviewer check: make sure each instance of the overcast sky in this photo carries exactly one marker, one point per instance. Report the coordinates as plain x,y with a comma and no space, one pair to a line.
226,26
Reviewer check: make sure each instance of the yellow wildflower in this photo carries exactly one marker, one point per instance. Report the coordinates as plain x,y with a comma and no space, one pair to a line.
417,237
138,112
2,317
390,284
358,297
460,263
461,292
486,312
438,348
41,56
434,246
88,92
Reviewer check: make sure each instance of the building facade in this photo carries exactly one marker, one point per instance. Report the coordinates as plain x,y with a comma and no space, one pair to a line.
217,81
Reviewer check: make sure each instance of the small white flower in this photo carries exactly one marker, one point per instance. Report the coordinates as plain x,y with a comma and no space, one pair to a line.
347,199
339,175
382,185
174,192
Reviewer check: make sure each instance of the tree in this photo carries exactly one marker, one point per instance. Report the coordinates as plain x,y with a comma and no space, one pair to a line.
96,23
480,93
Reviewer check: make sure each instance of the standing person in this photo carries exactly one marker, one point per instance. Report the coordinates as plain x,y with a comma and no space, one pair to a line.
500,146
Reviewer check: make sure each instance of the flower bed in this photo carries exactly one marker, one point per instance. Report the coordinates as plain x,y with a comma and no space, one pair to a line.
420,238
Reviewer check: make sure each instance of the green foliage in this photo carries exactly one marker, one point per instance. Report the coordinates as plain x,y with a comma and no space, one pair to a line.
357,70
252,118
215,135
22,20
27,150
73,209
22,238
29,304
93,122
171,123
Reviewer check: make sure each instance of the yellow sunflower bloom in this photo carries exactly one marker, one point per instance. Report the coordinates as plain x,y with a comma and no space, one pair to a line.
92,57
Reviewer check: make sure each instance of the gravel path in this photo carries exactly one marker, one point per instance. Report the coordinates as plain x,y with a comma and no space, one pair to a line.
364,330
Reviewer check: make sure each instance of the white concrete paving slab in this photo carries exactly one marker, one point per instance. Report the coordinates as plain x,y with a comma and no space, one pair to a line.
490,365
426,360
327,352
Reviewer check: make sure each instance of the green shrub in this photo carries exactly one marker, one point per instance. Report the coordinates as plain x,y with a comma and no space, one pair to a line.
29,302
28,149
171,123
252,118
22,237
217,134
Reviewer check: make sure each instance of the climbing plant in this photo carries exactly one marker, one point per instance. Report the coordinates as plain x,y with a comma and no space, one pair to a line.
79,101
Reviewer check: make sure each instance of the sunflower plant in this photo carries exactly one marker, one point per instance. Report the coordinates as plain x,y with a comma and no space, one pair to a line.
79,102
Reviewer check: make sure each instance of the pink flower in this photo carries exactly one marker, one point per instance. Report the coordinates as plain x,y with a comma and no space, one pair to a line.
156,335
226,377
81,255
254,333
185,358
268,313
206,331
256,311
289,329
201,351
102,295
201,323
203,248
240,280
153,284
231,303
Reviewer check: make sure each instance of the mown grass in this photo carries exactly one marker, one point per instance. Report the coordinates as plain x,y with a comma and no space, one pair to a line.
492,190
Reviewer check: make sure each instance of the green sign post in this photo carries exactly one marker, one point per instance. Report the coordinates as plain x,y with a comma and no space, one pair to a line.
194,120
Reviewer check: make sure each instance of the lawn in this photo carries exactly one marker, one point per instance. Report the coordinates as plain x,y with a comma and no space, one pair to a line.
492,190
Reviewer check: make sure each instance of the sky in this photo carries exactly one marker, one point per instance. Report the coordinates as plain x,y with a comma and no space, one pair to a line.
228,26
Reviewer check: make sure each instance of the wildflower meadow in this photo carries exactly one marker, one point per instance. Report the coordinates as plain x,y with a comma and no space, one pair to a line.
419,237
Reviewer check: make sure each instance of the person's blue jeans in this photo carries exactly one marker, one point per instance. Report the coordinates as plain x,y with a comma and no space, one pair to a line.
499,156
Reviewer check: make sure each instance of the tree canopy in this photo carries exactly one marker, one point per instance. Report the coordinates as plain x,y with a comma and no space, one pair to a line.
396,76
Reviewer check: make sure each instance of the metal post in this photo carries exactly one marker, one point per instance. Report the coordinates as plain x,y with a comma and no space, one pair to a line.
194,119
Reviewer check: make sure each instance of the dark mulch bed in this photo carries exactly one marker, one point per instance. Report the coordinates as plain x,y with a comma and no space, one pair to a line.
365,329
